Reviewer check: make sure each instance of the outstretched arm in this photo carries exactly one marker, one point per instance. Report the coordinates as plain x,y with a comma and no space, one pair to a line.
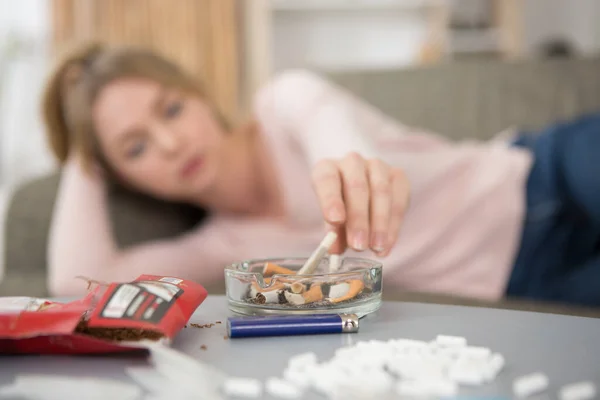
325,119
362,197
81,242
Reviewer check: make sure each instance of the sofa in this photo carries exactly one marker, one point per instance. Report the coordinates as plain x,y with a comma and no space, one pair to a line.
470,99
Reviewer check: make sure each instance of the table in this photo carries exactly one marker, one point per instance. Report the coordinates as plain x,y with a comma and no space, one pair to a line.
564,347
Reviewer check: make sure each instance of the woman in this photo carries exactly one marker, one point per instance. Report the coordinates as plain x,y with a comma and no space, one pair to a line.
129,115
310,153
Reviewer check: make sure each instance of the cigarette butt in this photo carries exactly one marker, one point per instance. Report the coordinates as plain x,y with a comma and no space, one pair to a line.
313,294
310,296
294,298
272,269
297,287
339,290
256,288
268,283
267,297
355,287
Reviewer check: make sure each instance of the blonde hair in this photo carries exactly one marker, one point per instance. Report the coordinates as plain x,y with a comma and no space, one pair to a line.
79,77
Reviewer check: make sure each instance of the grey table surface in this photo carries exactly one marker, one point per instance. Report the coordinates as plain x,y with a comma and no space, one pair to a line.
566,348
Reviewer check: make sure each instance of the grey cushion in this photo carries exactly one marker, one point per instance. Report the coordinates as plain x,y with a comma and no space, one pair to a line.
135,219
478,99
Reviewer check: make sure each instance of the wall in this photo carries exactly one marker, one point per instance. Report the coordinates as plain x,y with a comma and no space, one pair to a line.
335,39
23,65
576,20
390,38
377,38
23,68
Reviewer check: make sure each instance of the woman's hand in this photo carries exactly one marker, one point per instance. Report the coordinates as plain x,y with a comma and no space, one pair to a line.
364,201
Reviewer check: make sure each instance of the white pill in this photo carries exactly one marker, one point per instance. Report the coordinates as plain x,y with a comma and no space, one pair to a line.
411,389
469,376
451,341
441,387
530,384
432,369
374,381
475,352
415,369
243,387
494,366
329,383
427,388
402,344
299,377
277,387
447,353
578,391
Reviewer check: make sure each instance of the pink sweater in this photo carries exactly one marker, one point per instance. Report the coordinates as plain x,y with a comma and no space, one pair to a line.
460,235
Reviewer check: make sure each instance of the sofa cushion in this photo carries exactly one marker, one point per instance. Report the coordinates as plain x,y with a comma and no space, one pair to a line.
135,219
478,99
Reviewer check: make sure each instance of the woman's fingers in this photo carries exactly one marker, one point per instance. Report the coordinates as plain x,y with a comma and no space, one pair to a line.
327,184
339,246
363,202
400,201
380,185
355,189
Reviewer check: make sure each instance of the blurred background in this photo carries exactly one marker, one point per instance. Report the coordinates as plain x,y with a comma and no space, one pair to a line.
236,45
463,68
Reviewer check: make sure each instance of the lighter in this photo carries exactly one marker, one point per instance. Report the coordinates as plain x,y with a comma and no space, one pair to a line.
287,325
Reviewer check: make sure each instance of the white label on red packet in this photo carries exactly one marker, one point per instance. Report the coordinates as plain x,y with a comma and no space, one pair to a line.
174,281
120,301
9,305
166,292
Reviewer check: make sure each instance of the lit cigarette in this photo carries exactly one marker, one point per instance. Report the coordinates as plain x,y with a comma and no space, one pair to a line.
345,291
335,262
310,296
313,261
272,269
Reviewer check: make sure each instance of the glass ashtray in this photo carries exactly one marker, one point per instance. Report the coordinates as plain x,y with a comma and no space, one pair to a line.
271,286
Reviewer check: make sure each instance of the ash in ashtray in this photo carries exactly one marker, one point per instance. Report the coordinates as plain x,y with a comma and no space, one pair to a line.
316,295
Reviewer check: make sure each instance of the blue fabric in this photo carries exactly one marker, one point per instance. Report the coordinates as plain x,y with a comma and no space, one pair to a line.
559,257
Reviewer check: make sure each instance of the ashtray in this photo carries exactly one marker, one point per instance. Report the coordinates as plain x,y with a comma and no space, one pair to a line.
272,286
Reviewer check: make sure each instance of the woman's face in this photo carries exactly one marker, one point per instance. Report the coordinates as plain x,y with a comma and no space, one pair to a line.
161,141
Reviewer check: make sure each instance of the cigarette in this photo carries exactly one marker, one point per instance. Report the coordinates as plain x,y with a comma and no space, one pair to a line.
313,261
256,288
355,286
335,262
267,297
297,287
338,290
310,296
272,269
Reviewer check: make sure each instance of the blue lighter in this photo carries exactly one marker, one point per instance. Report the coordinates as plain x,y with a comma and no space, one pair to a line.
286,325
